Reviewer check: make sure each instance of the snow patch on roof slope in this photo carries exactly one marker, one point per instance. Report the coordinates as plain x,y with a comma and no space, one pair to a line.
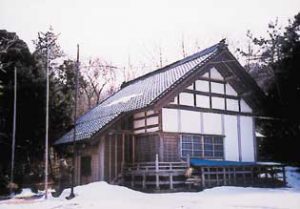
122,100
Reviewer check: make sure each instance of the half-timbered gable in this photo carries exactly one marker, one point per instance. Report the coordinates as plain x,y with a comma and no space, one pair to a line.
211,119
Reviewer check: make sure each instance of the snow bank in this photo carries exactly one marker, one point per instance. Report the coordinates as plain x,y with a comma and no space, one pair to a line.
25,193
103,195
293,177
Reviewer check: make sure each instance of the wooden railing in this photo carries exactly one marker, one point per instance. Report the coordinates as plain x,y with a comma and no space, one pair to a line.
171,175
155,174
244,175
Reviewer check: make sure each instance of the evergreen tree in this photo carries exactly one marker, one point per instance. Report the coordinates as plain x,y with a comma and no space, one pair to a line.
280,53
31,92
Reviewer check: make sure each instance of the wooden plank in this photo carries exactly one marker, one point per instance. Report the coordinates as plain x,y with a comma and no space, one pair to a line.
116,155
123,150
161,147
156,170
224,176
133,149
109,159
144,180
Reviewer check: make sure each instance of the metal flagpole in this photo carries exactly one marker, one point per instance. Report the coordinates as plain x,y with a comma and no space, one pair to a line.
47,123
72,195
14,132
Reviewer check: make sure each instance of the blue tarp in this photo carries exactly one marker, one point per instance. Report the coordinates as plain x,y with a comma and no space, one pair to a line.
201,162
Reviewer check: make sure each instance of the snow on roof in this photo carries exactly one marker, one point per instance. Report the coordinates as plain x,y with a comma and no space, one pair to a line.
136,94
124,99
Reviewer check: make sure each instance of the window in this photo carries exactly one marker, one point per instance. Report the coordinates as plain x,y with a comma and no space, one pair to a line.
213,147
207,147
86,169
191,145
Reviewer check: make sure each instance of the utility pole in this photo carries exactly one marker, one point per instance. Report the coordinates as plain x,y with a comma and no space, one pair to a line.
183,47
14,132
47,122
160,57
72,195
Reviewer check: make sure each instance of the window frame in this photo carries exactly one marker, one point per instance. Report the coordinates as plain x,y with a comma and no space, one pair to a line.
215,143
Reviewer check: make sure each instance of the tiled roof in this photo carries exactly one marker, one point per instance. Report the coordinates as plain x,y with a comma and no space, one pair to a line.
136,94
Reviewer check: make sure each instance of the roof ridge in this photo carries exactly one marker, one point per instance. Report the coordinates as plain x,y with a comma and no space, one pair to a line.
176,63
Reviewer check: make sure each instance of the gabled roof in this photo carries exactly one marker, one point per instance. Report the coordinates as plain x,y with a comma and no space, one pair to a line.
136,94
140,93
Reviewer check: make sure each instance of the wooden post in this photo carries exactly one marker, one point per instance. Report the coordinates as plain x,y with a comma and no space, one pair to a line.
234,175
259,175
161,147
156,171
109,158
123,150
224,176
188,160
133,149
252,175
144,180
217,176
116,156
272,173
132,179
244,175
171,181
202,178
283,175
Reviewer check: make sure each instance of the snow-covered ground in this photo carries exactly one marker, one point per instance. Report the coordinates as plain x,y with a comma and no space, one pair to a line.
103,195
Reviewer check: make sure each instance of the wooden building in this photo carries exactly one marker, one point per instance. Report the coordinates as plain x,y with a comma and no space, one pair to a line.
192,113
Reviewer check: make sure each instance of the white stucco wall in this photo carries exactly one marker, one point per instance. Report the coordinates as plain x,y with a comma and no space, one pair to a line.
214,74
230,90
231,145
152,120
139,123
186,99
245,107
170,120
202,101
247,139
218,103
202,86
183,121
217,88
190,122
232,104
212,123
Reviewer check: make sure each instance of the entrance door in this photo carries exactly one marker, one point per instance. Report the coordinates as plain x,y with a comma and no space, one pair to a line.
85,169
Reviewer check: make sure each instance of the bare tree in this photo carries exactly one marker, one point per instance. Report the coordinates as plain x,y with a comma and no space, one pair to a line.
98,75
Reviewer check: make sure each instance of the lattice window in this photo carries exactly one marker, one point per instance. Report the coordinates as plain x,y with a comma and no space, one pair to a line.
199,146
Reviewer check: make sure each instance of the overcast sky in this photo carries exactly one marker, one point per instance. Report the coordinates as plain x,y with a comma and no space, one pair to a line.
117,29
